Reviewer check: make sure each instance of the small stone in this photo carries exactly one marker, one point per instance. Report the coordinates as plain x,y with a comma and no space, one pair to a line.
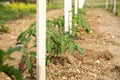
97,61
91,31
13,37
8,78
78,70
64,78
89,20
113,37
108,63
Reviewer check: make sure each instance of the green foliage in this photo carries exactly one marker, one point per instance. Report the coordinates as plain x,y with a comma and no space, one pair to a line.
4,29
15,10
57,41
78,21
13,73
118,10
25,38
27,35
59,23
110,8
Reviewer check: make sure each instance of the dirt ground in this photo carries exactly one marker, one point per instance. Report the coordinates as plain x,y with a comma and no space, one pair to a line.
101,57
100,60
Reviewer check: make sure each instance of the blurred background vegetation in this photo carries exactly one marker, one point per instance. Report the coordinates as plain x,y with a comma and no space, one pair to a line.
13,9
101,4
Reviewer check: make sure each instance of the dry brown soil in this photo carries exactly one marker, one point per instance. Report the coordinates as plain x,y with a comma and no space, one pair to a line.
100,59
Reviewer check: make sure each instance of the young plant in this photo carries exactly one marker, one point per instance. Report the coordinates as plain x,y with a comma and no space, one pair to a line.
58,43
59,24
12,72
28,40
78,21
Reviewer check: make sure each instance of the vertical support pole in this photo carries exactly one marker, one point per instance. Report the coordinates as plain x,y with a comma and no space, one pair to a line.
81,3
114,8
41,39
66,15
111,2
76,6
106,4
70,16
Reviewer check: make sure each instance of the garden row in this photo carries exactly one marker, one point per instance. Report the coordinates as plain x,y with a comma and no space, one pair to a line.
57,43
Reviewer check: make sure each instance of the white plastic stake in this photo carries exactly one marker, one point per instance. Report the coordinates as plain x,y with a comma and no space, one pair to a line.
81,3
41,39
76,6
114,8
106,4
111,2
70,16
66,15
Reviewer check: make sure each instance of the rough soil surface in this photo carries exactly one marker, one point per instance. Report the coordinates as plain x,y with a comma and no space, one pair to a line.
100,60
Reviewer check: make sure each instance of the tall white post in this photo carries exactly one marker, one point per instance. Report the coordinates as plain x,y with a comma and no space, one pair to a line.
41,39
70,16
76,6
106,4
66,15
114,8
111,2
81,3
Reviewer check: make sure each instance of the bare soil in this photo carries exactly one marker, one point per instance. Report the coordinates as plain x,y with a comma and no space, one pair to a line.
100,59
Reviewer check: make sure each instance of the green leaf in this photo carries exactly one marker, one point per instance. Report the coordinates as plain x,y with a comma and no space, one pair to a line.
24,57
32,54
49,45
79,49
30,65
1,56
21,37
49,23
13,49
63,46
71,48
13,73
47,60
87,29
